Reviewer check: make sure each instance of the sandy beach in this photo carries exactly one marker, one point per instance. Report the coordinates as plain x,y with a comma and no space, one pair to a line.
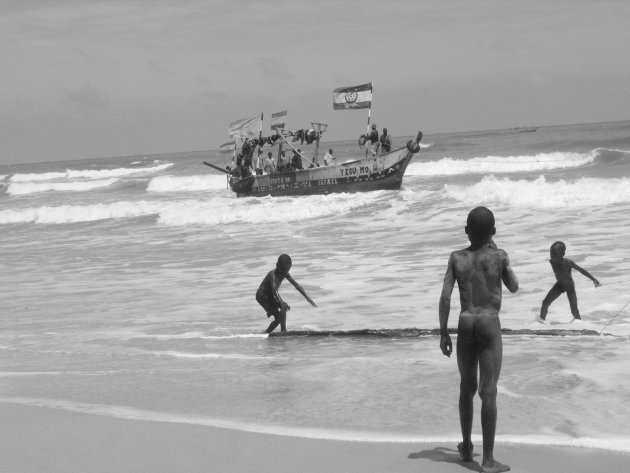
38,440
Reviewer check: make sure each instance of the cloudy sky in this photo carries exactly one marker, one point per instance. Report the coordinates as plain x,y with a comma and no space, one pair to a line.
89,79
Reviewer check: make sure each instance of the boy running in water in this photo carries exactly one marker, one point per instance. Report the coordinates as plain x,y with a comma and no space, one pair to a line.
564,281
269,298
478,271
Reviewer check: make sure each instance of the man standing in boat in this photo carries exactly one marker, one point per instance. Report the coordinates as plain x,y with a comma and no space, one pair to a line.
248,154
372,139
269,164
386,142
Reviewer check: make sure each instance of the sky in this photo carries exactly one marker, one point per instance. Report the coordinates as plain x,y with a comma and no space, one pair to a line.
86,79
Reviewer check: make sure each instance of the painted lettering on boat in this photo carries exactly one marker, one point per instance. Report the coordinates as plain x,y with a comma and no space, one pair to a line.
354,171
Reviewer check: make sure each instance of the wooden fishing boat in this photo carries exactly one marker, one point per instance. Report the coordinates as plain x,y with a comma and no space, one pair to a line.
358,175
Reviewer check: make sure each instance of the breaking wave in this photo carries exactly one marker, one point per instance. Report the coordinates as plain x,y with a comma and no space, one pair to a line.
89,173
500,164
24,188
187,183
195,212
540,193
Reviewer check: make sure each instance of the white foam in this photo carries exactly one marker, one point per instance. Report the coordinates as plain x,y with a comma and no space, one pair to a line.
500,164
585,192
203,212
262,210
24,188
88,173
186,183
78,213
227,356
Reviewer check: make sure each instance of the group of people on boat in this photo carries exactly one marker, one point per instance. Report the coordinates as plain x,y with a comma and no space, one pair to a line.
245,164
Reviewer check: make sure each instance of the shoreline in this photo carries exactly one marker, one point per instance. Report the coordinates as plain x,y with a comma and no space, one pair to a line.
36,439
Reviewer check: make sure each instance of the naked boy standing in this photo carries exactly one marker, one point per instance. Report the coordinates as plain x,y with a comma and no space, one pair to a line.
479,271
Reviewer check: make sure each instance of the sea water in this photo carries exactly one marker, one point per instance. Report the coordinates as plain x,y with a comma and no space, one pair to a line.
128,290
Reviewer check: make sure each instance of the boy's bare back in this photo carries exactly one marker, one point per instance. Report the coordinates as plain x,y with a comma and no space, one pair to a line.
479,273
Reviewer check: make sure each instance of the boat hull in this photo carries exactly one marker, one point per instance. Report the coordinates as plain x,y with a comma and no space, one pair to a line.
360,175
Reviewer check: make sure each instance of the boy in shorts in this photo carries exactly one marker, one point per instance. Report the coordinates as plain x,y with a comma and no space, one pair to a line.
479,271
268,297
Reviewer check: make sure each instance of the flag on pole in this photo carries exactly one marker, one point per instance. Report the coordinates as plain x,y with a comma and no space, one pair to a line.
278,119
350,98
227,147
246,127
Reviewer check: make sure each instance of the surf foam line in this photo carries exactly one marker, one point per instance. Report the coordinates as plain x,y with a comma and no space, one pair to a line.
129,413
420,332
88,173
24,188
540,193
79,213
187,183
499,164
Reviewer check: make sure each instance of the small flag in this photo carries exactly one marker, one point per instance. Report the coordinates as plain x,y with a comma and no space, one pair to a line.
245,128
350,98
278,119
227,147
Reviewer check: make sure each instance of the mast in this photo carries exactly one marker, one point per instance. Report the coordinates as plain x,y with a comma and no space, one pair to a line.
367,133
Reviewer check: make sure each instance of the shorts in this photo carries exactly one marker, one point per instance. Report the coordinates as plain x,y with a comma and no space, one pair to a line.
271,306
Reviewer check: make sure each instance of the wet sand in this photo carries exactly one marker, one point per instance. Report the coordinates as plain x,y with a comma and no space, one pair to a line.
38,440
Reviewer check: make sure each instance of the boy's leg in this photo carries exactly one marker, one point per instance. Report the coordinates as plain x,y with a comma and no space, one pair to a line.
488,334
283,319
551,296
572,296
467,363
273,324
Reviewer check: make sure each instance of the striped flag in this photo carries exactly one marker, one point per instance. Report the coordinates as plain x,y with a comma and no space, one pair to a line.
278,119
350,98
227,147
246,127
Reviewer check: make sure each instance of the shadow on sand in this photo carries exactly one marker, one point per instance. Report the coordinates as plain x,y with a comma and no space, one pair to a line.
445,455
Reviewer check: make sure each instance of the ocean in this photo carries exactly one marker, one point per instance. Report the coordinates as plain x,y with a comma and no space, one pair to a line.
128,290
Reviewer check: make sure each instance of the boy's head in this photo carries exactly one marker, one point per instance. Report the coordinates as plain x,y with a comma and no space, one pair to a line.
284,263
480,224
558,249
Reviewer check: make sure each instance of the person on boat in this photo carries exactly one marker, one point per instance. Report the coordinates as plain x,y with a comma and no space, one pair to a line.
479,272
296,160
385,141
246,149
564,281
269,298
246,168
283,162
372,140
269,166
259,163
329,158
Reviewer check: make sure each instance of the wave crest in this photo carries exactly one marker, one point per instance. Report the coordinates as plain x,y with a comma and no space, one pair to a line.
585,192
88,173
500,164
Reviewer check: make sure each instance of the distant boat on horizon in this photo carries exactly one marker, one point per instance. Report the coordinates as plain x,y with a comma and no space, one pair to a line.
524,129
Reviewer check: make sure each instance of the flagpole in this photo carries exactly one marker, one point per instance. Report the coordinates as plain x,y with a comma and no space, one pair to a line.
369,115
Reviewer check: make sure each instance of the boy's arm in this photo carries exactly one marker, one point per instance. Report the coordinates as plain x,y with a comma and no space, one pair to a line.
508,277
584,272
445,308
300,290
